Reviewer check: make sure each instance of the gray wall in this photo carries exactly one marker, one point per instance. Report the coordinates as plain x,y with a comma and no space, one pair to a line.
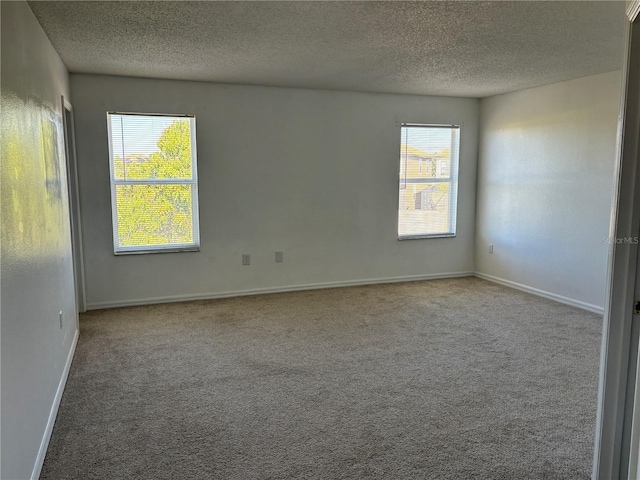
311,173
545,178
37,277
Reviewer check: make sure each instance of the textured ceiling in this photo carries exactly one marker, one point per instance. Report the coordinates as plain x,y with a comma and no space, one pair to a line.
473,49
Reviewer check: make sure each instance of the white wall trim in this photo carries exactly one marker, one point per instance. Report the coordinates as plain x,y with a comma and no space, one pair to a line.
619,337
543,293
282,289
44,444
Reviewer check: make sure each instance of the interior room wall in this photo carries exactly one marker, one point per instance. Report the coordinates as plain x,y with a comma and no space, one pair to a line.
545,181
37,269
311,173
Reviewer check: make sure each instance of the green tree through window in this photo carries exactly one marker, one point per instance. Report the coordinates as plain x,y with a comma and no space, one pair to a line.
154,187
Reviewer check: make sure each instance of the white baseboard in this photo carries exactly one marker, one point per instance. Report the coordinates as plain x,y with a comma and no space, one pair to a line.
261,291
44,444
543,293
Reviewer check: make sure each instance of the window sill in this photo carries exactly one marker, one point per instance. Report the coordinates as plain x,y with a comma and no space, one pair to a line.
158,250
421,237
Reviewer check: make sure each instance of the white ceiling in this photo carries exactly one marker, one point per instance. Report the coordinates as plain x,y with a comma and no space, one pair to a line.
459,48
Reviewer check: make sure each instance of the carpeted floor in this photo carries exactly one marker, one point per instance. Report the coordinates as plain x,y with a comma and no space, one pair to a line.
447,379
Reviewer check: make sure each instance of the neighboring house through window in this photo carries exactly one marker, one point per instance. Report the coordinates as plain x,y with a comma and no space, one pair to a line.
428,187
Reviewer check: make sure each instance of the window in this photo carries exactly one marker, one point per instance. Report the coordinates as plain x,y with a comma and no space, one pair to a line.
154,187
428,187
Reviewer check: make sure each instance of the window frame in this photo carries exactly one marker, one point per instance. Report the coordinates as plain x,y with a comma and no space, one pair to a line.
172,248
452,181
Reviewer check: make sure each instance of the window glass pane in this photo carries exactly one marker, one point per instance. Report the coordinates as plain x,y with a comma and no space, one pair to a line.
424,207
428,180
154,215
148,147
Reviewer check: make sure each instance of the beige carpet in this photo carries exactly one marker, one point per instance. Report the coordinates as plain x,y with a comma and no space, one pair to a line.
446,379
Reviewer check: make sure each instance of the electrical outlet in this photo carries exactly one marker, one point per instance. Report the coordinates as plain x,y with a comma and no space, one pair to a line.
60,316
491,248
246,259
279,257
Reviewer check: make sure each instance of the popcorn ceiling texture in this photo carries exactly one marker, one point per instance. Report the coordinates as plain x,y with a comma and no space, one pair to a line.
472,49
